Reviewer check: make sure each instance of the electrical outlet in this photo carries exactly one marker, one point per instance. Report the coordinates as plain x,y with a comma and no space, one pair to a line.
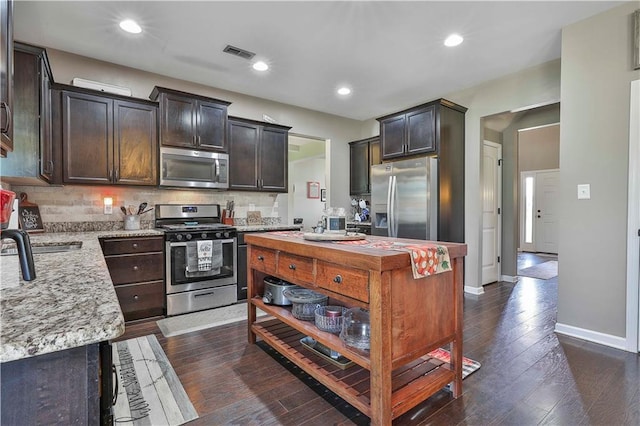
584,191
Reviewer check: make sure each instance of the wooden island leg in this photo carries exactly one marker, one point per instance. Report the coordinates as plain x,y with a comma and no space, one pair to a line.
251,309
380,353
456,350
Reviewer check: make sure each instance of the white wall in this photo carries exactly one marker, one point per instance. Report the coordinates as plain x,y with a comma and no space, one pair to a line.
594,147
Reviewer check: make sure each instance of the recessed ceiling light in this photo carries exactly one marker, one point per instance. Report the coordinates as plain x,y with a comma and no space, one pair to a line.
130,26
453,40
260,66
344,91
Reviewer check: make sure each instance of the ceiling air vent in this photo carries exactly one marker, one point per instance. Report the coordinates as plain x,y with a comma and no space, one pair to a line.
245,54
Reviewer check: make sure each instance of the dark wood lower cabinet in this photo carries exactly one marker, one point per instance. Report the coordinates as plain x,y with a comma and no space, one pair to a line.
57,388
136,266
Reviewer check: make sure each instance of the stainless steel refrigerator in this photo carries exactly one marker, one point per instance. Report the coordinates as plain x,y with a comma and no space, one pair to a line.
404,199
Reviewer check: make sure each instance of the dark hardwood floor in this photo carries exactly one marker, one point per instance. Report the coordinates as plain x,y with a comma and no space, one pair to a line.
529,375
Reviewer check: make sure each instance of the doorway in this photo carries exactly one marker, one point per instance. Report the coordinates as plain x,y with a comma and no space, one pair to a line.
307,164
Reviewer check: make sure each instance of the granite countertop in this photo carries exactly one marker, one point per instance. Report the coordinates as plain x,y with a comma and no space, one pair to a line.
71,303
264,228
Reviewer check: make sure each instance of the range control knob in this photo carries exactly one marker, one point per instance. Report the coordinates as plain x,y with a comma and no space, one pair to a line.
226,235
188,236
204,236
218,235
179,237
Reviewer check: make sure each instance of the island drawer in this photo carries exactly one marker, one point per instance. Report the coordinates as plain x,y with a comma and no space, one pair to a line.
295,268
132,245
346,281
141,300
136,268
263,260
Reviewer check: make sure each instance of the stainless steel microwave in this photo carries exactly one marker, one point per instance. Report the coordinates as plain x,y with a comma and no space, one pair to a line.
193,169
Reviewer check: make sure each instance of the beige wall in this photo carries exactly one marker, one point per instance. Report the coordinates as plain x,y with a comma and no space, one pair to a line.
539,148
594,143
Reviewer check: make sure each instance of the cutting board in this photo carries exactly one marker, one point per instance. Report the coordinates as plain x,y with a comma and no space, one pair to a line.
29,215
329,236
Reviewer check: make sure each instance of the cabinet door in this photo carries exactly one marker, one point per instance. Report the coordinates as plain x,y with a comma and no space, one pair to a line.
359,168
211,124
392,136
374,152
177,121
87,141
273,160
243,155
421,131
135,143
6,76
47,163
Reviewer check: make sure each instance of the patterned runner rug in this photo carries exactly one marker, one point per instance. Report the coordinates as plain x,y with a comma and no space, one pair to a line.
149,391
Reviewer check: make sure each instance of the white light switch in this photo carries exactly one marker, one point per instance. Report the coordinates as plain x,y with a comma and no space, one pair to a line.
584,191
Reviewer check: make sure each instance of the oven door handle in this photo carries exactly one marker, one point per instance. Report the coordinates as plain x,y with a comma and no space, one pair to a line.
184,244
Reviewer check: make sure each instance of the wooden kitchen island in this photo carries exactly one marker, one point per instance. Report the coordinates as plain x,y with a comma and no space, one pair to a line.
409,318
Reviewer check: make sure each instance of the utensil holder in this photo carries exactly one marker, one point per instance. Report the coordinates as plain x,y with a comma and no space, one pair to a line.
131,222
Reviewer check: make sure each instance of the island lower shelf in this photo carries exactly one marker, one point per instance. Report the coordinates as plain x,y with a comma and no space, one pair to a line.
423,376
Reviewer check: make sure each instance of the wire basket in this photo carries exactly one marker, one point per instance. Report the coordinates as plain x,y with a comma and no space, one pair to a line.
329,318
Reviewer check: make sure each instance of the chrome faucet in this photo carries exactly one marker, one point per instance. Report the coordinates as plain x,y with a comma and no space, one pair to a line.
24,251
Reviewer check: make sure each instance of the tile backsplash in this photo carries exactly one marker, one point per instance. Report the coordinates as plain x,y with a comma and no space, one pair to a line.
85,203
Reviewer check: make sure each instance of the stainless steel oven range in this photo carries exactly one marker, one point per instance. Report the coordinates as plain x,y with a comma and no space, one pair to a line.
200,257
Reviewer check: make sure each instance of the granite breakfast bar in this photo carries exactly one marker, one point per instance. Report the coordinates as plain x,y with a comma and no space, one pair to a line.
52,328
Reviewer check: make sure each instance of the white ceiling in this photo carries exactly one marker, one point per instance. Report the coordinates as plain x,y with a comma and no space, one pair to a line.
390,53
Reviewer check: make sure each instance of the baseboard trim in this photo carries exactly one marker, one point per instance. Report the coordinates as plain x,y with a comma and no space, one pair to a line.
592,336
473,290
509,278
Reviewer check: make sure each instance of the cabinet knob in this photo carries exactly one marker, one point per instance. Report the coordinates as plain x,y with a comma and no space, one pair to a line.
135,245
292,267
337,279
260,258
135,268
136,297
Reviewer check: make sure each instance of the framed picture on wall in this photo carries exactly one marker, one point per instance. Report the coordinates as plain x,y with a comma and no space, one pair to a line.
323,195
313,189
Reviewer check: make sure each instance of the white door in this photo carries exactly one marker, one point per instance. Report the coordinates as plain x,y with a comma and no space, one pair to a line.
546,211
491,205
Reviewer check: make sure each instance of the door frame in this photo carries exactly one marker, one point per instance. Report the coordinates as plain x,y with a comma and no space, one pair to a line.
498,192
633,224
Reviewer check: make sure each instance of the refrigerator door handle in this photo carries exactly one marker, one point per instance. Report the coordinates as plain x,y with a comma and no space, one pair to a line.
393,227
389,206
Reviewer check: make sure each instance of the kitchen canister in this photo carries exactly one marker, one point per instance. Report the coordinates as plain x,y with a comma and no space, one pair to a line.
132,222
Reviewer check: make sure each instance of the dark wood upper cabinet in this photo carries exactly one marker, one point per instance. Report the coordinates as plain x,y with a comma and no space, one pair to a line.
6,76
191,121
108,139
409,132
32,160
362,155
435,128
258,155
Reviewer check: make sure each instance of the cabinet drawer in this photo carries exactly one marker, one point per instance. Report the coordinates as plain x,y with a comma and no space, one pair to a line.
135,268
295,268
263,260
346,281
132,245
141,300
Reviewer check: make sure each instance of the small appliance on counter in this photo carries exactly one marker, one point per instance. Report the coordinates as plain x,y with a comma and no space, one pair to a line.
21,237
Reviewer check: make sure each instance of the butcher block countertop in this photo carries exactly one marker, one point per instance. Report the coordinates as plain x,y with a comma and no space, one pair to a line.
71,303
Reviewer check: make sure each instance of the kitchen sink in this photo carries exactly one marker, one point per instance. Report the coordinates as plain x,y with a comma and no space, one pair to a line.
37,248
